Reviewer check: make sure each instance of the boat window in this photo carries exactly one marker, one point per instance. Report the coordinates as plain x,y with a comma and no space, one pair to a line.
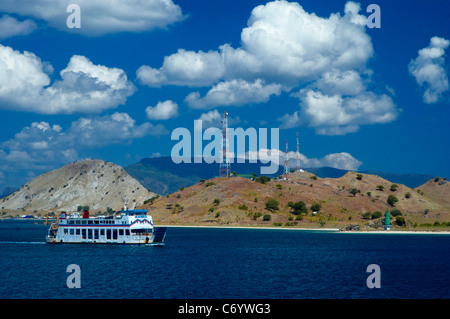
77,222
127,232
77,231
95,221
114,233
120,232
72,231
90,222
95,233
83,222
108,234
89,233
65,231
83,233
102,232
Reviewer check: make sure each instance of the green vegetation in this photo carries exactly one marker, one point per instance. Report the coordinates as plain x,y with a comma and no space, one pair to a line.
376,215
380,188
407,195
151,200
82,208
367,215
354,191
391,200
178,208
393,187
256,215
316,207
298,208
263,179
216,201
291,224
210,184
359,177
243,207
267,217
272,204
314,177
400,221
395,213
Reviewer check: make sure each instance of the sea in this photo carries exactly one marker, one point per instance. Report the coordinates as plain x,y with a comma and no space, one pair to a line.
227,263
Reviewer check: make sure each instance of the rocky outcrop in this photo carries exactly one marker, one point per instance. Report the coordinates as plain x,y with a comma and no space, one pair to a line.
352,227
94,183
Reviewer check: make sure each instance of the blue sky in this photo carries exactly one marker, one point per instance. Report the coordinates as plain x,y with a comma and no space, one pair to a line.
361,98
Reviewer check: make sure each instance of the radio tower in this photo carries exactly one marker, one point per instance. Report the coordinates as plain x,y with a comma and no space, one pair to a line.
286,162
224,169
298,156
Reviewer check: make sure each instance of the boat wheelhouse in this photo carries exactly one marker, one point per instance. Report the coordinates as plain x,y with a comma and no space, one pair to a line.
126,227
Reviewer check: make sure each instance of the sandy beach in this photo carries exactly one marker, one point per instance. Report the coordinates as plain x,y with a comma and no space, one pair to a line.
317,229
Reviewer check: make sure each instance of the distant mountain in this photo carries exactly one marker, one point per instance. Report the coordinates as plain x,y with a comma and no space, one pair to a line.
163,176
94,183
7,191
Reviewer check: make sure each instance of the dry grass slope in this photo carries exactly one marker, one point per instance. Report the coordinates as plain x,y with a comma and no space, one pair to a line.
242,202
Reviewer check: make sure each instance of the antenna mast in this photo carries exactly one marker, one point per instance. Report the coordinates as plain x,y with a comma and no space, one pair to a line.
224,169
298,156
286,162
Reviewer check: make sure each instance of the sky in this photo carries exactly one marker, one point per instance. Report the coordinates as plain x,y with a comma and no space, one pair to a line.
366,88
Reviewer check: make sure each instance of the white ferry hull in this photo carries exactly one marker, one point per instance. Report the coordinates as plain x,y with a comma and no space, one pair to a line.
132,241
133,227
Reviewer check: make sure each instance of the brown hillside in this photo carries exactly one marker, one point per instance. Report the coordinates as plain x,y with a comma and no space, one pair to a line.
95,183
240,198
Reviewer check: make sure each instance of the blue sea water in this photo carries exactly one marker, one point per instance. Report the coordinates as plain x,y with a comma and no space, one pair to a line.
218,263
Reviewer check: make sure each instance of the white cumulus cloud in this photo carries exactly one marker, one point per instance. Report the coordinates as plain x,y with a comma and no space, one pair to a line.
11,27
83,87
282,43
429,71
234,93
162,111
100,17
341,160
45,146
283,47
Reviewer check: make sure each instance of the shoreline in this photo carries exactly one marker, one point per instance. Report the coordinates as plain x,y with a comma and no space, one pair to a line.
249,227
337,230
317,229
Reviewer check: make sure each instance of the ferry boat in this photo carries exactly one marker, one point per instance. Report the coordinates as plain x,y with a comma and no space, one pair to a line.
133,226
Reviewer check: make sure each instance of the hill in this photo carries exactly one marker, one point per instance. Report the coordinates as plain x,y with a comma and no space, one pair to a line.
240,201
163,176
94,183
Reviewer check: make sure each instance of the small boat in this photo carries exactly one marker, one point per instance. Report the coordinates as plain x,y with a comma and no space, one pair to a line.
133,226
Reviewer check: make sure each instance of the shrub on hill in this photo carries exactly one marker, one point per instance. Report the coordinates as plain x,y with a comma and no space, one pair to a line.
298,208
272,204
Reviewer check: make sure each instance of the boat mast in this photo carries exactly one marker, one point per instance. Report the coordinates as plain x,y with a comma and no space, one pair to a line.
125,202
